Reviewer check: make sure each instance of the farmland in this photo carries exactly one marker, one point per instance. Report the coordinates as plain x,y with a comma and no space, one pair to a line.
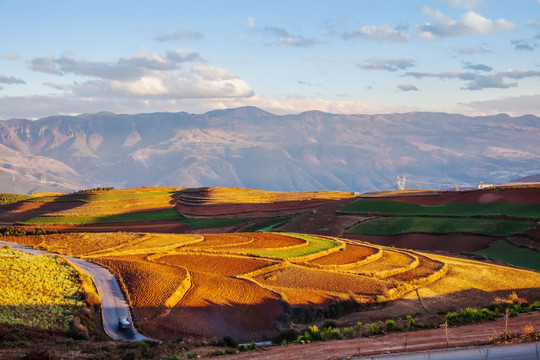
502,250
38,291
178,285
191,265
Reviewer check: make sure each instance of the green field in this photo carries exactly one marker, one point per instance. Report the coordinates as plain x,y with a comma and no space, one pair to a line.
433,225
169,214
502,250
315,245
385,207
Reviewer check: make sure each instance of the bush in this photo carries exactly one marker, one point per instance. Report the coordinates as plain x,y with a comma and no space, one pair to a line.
330,333
374,329
390,324
410,320
348,332
358,328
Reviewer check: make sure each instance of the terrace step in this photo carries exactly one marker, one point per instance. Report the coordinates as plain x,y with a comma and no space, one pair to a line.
392,262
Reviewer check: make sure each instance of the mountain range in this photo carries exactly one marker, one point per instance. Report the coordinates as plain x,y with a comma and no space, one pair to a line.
249,147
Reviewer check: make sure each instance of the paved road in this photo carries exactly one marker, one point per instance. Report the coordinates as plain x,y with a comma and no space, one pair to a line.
113,304
527,351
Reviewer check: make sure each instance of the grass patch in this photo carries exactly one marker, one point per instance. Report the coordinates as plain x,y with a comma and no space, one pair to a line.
404,225
270,225
502,250
315,245
169,214
386,207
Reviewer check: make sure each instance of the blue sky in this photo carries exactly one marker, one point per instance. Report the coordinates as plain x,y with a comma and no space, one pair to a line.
461,56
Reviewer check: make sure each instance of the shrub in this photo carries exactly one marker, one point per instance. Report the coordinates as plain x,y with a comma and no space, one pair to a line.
330,333
348,332
410,320
374,329
287,335
358,328
390,324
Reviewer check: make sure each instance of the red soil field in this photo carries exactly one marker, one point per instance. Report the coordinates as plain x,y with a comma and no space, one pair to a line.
447,242
349,255
219,304
425,268
270,241
161,226
525,195
215,264
222,240
28,209
148,284
302,285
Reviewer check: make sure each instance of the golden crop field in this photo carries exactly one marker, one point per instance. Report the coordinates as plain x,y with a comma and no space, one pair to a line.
38,291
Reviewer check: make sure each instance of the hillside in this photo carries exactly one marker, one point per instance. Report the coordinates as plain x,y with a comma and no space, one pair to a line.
248,147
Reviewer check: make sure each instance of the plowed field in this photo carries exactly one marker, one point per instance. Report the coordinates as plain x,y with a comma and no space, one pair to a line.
348,256
390,262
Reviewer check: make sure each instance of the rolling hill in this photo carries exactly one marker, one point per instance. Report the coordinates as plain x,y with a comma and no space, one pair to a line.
249,147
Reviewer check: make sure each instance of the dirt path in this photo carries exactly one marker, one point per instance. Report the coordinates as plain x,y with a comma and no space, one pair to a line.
470,335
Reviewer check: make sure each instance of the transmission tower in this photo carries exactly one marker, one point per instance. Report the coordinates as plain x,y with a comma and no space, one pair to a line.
401,182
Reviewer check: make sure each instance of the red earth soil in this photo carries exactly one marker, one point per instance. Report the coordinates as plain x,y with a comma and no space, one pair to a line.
525,195
351,254
448,242
28,209
471,335
245,210
162,226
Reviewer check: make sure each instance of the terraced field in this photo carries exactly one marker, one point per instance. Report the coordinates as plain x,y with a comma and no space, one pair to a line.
249,284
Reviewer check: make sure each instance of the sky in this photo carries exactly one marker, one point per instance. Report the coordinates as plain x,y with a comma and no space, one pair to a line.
473,57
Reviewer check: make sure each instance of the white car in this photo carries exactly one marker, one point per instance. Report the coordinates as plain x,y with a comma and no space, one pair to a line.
123,322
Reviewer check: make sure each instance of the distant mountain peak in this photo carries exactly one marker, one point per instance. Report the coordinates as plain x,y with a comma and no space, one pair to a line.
239,112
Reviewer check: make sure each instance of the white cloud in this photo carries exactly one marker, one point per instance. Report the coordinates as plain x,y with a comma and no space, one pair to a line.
407,87
469,22
387,64
470,50
381,33
283,37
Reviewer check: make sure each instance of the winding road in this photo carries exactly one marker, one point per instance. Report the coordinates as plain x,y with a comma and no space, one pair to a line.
113,304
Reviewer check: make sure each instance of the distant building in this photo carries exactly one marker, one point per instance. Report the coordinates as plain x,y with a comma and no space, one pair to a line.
485,186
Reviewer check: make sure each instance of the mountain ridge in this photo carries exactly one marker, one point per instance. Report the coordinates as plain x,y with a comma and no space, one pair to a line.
250,147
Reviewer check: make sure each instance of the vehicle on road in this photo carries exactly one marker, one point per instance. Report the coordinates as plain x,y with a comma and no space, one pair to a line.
123,323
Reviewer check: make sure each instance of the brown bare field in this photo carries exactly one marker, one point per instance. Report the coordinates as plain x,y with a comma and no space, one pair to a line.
151,243
425,267
391,262
222,265
149,285
28,209
269,241
223,240
301,286
347,257
530,194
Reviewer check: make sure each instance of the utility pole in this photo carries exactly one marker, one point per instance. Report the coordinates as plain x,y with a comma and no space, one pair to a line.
401,182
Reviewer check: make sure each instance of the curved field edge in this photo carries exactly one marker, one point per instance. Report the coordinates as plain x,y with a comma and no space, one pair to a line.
436,225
